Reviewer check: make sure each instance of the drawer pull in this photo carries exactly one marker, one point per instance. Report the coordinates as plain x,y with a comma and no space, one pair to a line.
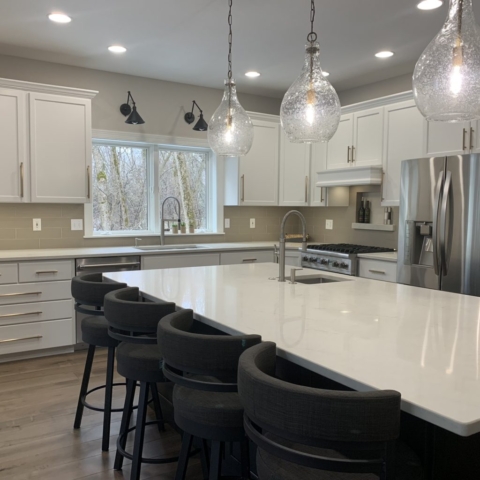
381,272
247,260
8,340
9,315
107,265
19,294
42,272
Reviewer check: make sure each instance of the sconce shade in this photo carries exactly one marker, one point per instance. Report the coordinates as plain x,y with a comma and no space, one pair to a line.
201,125
134,118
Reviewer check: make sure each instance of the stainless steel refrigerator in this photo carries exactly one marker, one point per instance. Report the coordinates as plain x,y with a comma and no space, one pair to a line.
439,224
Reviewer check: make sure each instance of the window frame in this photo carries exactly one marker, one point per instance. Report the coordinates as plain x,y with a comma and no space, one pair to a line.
155,143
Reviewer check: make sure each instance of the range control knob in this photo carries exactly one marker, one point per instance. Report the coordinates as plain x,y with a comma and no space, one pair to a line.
305,259
336,264
313,259
324,261
344,265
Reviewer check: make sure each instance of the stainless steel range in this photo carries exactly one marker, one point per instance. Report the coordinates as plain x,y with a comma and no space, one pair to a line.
337,258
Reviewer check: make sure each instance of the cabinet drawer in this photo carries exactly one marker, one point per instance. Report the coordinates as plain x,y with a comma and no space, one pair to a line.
35,312
179,261
8,273
377,270
35,292
45,271
251,256
36,336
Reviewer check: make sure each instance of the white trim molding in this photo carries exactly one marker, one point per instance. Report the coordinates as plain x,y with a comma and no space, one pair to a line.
378,102
348,177
45,88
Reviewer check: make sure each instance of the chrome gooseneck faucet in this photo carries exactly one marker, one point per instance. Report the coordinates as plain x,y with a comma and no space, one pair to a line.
163,219
281,256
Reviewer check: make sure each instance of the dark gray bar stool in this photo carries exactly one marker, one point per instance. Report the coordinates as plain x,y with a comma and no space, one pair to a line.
89,292
313,434
133,321
205,400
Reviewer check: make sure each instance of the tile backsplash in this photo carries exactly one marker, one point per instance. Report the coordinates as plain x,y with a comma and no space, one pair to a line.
16,231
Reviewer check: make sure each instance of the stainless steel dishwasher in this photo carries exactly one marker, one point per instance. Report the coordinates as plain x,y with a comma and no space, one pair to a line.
101,265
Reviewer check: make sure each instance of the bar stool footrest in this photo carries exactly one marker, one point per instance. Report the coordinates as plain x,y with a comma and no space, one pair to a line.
101,409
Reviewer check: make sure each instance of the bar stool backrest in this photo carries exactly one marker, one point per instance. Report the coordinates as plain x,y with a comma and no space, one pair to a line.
339,420
131,317
184,351
89,290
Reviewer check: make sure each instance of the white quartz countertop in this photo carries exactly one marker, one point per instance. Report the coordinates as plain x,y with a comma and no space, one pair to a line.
362,333
386,256
57,253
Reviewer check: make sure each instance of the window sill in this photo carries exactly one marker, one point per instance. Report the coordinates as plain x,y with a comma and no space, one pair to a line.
146,235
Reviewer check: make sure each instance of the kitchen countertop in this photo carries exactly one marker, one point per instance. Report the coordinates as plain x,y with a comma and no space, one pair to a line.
386,256
362,333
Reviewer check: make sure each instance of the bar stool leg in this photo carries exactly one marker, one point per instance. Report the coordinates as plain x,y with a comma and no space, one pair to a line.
215,460
205,459
139,432
126,416
245,459
157,407
107,414
84,388
183,459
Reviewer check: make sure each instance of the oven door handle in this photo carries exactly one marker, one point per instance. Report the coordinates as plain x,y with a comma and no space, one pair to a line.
108,265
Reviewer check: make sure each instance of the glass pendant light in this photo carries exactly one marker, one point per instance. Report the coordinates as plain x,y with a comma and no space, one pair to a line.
446,81
230,131
310,110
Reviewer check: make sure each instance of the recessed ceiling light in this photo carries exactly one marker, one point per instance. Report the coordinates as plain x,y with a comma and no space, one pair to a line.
384,54
117,49
430,4
325,74
59,18
252,74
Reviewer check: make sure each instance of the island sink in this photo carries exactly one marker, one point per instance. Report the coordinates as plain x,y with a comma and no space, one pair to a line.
317,279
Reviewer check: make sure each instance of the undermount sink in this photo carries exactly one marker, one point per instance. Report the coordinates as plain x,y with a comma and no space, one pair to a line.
168,247
317,279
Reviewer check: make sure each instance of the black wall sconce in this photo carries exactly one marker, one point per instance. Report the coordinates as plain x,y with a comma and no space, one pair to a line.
133,117
201,125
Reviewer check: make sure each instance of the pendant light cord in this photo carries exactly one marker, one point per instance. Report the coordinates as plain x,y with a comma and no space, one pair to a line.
460,15
312,36
230,39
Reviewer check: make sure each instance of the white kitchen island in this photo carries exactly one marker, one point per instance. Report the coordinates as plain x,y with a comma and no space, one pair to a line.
361,333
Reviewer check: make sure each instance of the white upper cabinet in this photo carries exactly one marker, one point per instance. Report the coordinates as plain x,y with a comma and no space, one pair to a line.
339,148
14,180
295,175
448,138
60,148
367,147
404,140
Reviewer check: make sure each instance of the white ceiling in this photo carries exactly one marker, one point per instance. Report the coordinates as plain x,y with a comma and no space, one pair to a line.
185,40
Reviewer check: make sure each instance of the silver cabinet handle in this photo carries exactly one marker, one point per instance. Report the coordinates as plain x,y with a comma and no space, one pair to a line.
9,315
3,295
380,272
108,265
22,192
353,154
249,260
88,181
472,133
348,154
42,272
8,340
321,195
306,189
382,185
243,188
464,139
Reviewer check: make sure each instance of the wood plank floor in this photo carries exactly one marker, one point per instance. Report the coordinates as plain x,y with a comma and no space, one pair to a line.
38,398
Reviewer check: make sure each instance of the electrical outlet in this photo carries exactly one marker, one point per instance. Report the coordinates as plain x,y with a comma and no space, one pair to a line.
329,224
227,223
252,223
77,224
37,224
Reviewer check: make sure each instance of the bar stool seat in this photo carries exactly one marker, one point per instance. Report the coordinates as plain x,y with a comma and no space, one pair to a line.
271,467
95,332
140,361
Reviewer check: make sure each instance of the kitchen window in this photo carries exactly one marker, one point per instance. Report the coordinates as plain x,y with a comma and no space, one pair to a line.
131,180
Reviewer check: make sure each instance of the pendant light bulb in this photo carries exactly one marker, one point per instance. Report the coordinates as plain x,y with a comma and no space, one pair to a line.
230,131
446,82
311,110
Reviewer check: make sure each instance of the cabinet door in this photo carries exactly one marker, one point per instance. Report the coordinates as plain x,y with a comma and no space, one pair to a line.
368,137
60,148
14,181
339,147
404,137
444,139
294,172
475,136
318,164
259,168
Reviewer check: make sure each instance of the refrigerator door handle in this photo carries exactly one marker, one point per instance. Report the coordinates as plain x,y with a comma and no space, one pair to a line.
446,201
436,211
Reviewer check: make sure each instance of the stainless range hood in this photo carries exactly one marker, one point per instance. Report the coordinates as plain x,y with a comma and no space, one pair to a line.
349,177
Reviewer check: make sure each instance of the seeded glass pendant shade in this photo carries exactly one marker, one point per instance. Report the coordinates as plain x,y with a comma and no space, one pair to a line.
230,131
446,81
310,110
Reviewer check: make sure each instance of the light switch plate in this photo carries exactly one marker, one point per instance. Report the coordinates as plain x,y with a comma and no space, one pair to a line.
37,224
252,223
329,224
227,223
77,224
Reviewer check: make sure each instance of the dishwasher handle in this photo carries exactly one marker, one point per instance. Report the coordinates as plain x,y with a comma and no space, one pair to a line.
108,265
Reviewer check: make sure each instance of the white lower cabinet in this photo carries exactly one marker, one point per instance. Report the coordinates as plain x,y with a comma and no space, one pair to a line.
152,262
36,314
244,257
377,270
293,259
